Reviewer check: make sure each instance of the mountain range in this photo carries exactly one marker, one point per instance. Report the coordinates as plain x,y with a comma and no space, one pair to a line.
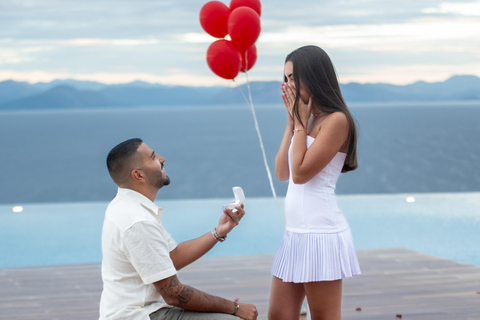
70,94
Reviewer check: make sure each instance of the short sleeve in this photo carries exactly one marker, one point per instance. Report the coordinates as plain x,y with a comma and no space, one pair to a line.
147,246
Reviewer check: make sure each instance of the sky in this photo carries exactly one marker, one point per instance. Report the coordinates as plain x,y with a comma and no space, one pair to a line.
120,41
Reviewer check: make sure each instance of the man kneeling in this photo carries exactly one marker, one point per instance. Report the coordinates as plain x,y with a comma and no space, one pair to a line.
141,259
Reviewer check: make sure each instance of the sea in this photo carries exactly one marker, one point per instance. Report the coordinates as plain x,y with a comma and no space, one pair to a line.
417,185
59,156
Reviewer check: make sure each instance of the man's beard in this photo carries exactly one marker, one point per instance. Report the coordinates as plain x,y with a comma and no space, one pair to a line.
166,181
156,179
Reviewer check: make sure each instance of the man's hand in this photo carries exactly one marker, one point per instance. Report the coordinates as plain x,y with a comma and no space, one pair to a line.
229,220
247,311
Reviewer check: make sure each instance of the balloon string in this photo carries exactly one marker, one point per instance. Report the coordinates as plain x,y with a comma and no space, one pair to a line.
250,103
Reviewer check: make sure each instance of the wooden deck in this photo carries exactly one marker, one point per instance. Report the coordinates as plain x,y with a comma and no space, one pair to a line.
394,282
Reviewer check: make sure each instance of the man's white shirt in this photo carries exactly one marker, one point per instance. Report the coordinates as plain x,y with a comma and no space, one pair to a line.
136,253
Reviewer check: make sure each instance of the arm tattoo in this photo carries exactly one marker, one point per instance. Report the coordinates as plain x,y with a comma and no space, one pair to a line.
185,295
163,292
174,282
182,292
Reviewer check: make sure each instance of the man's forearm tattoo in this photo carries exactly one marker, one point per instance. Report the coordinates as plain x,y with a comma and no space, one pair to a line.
185,295
182,292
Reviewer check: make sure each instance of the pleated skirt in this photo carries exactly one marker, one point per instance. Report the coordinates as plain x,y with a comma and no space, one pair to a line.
308,257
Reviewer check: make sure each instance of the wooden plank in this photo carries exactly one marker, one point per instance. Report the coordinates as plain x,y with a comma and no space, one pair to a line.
414,285
394,281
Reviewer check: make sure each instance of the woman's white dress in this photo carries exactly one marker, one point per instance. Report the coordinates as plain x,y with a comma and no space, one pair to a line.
317,244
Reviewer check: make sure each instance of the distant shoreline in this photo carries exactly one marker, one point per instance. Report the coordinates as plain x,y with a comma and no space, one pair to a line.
72,94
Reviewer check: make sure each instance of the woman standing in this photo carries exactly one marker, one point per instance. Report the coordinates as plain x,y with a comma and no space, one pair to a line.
319,143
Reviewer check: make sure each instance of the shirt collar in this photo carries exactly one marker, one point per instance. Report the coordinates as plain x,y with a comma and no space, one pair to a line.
144,201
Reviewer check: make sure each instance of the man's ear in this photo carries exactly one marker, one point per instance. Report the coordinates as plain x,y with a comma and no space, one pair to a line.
138,175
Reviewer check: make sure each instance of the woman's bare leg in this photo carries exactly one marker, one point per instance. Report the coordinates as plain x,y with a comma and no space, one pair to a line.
324,299
285,300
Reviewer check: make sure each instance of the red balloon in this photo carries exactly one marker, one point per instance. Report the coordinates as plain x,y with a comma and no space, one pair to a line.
250,59
244,27
214,18
254,4
223,58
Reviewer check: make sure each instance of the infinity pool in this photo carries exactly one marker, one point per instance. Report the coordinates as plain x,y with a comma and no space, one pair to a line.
442,224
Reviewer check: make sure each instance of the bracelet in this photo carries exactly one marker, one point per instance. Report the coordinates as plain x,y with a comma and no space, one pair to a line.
216,236
236,308
297,130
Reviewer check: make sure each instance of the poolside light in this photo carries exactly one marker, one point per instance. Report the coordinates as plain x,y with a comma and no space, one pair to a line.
17,209
410,199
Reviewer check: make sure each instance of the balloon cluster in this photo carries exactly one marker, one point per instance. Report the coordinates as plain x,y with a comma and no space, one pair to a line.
226,58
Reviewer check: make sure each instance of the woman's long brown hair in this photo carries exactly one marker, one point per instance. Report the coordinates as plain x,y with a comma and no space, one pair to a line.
314,69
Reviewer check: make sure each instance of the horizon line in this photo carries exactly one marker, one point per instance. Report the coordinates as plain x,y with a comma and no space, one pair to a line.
228,84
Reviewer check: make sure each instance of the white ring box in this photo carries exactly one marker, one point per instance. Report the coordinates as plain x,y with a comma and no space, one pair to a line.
239,198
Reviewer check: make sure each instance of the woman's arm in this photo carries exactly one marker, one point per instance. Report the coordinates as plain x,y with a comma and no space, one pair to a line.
306,163
281,160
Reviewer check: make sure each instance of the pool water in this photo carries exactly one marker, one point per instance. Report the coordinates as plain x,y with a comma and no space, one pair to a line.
441,224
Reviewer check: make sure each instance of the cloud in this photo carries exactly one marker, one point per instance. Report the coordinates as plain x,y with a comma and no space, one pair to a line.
467,9
85,42
62,19
404,74
280,15
10,57
16,56
373,37
119,40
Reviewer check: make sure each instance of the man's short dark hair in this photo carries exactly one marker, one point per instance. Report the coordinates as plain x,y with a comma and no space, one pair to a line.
119,157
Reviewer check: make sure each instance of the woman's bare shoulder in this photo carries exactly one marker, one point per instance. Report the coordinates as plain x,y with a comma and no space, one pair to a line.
337,119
